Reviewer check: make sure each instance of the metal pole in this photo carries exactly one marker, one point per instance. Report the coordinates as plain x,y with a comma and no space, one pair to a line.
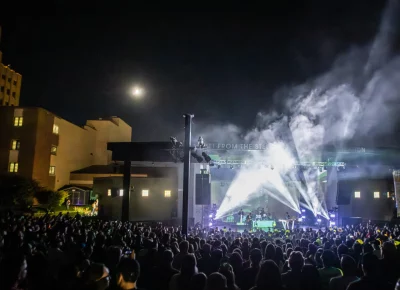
126,185
186,172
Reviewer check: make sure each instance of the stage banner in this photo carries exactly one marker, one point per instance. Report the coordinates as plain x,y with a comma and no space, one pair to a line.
396,179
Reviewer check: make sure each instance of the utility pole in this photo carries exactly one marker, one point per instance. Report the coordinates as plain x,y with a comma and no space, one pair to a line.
186,172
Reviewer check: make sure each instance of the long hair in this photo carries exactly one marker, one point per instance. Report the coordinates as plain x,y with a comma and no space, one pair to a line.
269,277
188,269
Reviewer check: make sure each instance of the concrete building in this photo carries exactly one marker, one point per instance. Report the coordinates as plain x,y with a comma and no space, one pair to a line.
40,145
155,193
10,84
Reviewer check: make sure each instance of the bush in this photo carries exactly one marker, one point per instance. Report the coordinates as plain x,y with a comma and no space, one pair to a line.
51,198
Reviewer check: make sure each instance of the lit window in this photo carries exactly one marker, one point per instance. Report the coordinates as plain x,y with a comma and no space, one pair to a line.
121,192
18,121
54,150
167,193
145,192
388,195
52,170
357,194
13,167
55,129
376,194
15,145
108,192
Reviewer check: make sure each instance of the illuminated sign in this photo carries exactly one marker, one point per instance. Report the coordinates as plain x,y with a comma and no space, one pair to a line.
233,146
265,163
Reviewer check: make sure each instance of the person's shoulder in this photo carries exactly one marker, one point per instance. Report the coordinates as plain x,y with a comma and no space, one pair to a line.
357,284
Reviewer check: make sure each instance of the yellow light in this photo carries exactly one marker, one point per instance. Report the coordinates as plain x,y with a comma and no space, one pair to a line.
137,91
167,193
145,192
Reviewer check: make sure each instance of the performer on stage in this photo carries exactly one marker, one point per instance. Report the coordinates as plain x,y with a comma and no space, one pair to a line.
262,213
249,220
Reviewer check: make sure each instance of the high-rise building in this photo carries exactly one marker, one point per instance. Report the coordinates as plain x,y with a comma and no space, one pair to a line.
37,144
10,84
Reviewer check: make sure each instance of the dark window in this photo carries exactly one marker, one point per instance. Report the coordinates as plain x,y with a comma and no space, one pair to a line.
3,77
1,89
15,83
13,94
8,91
9,80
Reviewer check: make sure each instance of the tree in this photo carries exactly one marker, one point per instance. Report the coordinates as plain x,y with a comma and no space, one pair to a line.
17,190
57,198
51,198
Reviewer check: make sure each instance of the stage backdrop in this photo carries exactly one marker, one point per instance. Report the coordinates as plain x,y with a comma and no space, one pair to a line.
219,189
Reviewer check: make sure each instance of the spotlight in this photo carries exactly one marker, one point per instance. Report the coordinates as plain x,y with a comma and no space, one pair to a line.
332,223
319,220
174,141
303,210
210,224
200,143
197,157
332,215
206,157
300,219
210,216
303,217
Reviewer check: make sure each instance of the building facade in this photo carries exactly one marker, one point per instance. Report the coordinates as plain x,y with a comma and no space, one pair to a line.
10,84
37,144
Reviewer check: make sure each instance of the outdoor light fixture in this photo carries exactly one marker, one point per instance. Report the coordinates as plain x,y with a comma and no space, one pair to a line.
197,157
200,143
174,141
206,157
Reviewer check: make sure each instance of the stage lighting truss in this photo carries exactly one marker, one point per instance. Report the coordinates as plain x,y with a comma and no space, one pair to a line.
177,151
239,163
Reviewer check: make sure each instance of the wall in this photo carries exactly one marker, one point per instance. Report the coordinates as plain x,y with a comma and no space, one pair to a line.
108,130
77,147
367,207
75,150
41,146
10,86
141,208
35,136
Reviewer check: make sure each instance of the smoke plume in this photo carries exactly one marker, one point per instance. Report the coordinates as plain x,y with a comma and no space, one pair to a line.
357,97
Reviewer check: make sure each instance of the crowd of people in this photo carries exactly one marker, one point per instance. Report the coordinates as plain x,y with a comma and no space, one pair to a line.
65,252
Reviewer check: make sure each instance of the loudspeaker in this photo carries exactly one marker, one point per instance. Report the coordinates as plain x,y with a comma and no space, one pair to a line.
344,192
203,189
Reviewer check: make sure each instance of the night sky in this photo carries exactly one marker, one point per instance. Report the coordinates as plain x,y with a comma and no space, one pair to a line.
223,65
